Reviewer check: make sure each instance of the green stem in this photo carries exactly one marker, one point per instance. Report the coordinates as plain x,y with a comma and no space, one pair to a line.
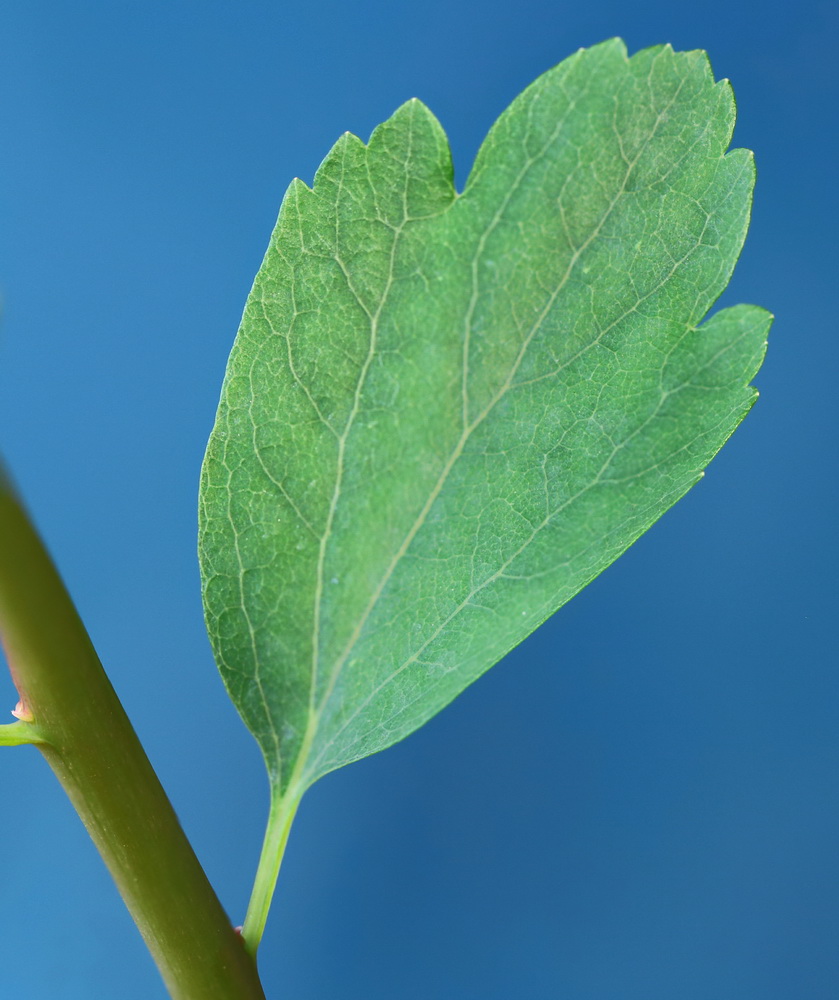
280,818
68,703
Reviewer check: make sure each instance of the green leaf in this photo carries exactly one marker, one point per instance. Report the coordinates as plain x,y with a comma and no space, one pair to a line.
445,414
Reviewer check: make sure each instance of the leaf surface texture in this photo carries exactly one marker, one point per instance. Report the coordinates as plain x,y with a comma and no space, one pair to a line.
445,414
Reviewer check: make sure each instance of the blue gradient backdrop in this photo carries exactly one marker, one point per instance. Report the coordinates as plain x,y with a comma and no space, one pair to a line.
641,802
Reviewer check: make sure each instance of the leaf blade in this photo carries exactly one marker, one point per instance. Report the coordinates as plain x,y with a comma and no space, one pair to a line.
432,395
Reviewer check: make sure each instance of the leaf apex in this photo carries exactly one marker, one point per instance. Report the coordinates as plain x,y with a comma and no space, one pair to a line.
346,142
763,317
297,183
615,42
409,109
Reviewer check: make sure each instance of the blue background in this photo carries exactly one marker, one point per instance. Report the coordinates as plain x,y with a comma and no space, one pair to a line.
641,801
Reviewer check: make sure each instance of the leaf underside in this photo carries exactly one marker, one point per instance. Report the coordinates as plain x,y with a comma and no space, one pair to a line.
445,414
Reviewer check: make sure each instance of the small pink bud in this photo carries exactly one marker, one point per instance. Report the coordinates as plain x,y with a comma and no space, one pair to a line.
22,712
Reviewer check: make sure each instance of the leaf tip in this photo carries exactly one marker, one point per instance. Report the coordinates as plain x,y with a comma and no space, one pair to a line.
412,109
297,183
610,48
615,42
345,146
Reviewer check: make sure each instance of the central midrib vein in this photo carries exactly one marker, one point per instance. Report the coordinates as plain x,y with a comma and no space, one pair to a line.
315,712
470,428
